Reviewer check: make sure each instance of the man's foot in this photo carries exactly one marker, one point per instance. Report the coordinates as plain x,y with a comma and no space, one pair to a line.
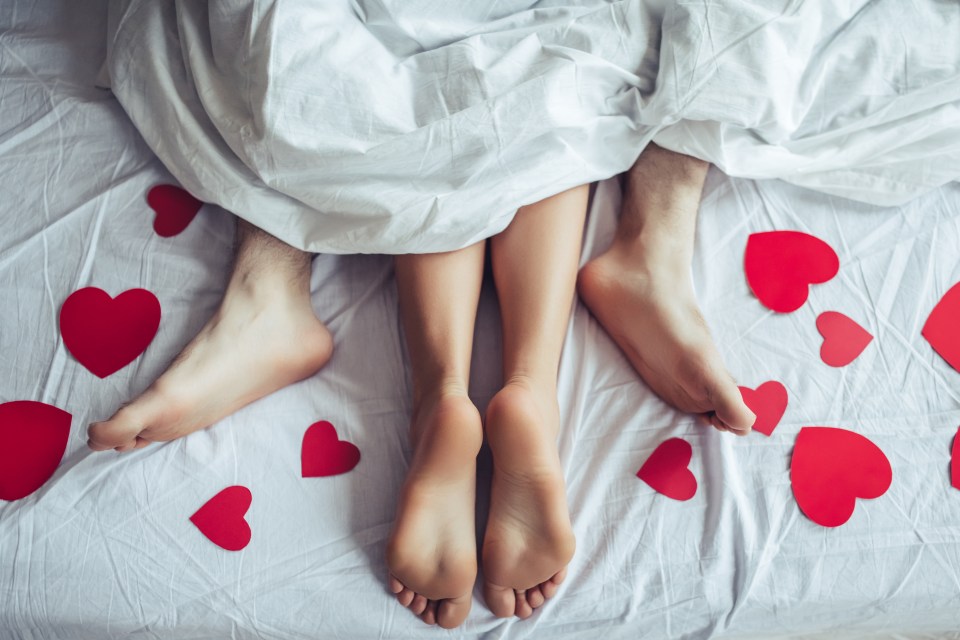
529,540
651,312
263,337
432,551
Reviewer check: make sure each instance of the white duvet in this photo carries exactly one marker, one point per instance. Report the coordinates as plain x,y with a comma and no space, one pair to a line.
414,126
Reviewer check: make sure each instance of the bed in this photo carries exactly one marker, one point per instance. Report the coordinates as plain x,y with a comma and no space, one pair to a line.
106,549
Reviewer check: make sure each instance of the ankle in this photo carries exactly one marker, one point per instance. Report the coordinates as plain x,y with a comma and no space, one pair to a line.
649,257
540,383
440,388
449,422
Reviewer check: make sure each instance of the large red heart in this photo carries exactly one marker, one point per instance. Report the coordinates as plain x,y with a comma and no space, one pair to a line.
174,208
221,518
955,462
33,437
666,470
843,339
323,454
781,265
768,402
833,467
942,329
105,334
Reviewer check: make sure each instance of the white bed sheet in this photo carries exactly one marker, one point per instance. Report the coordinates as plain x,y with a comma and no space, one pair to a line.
105,549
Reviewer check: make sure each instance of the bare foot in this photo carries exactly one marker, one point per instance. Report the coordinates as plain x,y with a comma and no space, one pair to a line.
529,540
432,551
650,311
263,337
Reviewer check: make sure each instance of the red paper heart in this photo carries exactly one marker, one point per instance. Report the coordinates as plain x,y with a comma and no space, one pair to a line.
105,334
955,462
843,338
221,518
781,265
33,437
666,470
833,467
942,329
174,207
323,454
768,402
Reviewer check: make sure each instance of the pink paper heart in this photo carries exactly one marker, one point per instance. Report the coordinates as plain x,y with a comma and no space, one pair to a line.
105,334
843,339
781,266
324,454
33,437
666,470
833,467
222,520
768,402
941,328
174,209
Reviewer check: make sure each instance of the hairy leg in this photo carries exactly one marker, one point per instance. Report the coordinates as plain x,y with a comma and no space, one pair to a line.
432,551
263,337
529,539
640,290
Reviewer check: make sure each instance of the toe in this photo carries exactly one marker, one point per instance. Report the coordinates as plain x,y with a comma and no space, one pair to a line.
395,585
716,422
453,611
730,408
502,601
549,589
429,614
419,604
405,597
523,608
535,597
119,432
551,586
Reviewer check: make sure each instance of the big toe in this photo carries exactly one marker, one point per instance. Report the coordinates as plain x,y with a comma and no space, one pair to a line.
451,612
730,408
119,432
502,601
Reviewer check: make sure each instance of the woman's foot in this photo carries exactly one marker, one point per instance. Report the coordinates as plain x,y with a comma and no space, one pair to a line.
432,551
649,309
529,540
263,337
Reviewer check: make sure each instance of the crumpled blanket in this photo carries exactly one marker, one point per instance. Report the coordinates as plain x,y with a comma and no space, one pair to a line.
399,126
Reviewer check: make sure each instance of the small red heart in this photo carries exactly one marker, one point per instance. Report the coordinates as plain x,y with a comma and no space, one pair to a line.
781,265
106,334
221,518
843,339
833,467
768,402
323,454
955,462
942,329
174,208
33,437
666,470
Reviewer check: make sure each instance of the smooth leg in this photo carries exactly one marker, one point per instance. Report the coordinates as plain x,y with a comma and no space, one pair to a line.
529,540
263,337
641,292
432,551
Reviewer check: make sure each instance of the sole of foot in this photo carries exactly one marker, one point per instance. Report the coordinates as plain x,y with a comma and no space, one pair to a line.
529,540
650,311
432,550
